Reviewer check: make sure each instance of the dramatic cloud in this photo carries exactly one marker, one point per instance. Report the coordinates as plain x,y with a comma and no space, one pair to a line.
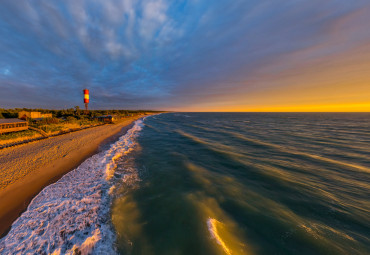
184,55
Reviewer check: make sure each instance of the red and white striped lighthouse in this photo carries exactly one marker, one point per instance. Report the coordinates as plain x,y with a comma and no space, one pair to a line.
86,99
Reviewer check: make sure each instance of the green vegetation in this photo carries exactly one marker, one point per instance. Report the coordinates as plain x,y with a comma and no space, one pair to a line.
63,120
16,135
75,112
52,125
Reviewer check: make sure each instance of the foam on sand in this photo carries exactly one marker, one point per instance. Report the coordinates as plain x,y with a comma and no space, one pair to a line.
72,215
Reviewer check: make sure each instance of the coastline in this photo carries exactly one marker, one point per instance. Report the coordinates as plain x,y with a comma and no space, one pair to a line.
28,168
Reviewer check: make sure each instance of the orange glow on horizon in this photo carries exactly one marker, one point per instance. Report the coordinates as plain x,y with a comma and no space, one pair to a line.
332,83
355,107
365,107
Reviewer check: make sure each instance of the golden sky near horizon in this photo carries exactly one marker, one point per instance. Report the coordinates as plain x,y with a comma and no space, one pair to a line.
338,82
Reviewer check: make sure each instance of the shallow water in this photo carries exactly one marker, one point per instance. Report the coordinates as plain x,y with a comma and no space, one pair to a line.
211,183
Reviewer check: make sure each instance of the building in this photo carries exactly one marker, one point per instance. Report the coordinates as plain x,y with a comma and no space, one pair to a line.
107,118
12,125
33,115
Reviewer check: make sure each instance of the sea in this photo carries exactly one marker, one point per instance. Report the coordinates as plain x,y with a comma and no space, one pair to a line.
212,183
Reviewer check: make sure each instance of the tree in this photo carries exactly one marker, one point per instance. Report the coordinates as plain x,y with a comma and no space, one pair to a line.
77,110
71,119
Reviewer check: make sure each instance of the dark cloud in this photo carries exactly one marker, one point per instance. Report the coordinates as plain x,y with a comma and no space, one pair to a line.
163,54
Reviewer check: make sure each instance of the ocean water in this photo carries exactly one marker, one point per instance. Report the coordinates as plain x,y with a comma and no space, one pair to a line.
212,183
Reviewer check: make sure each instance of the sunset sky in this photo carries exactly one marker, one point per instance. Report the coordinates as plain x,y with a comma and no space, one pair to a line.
197,55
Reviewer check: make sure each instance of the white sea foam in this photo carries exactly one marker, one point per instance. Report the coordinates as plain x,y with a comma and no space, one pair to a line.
72,215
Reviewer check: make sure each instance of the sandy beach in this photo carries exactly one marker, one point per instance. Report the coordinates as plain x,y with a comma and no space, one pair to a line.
26,169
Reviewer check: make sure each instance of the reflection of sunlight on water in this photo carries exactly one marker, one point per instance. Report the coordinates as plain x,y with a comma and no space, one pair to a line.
224,230
126,218
212,227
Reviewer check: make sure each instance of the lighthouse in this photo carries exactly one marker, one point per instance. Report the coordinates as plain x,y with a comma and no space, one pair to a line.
86,100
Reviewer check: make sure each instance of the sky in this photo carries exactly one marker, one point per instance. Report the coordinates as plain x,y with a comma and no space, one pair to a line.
196,55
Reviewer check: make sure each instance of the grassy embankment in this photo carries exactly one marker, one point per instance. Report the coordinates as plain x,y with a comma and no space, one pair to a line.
50,126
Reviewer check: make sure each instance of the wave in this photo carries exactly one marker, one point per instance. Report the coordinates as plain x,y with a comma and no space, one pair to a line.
220,148
293,151
212,228
71,216
224,234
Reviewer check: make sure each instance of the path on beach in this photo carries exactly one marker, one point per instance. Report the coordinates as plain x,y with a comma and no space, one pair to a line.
26,169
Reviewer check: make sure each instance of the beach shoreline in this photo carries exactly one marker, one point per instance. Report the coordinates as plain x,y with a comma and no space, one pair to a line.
29,168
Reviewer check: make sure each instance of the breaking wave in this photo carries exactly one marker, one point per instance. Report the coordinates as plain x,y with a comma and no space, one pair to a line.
71,216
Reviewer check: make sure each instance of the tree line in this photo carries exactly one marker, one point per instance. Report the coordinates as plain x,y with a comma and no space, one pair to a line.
75,112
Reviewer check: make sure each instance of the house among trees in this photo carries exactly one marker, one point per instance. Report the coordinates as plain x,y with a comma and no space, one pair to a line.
12,125
24,115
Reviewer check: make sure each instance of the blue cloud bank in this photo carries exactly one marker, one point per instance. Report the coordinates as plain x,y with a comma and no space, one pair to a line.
162,54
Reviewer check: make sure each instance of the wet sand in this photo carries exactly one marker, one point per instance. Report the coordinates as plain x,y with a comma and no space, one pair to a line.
26,169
